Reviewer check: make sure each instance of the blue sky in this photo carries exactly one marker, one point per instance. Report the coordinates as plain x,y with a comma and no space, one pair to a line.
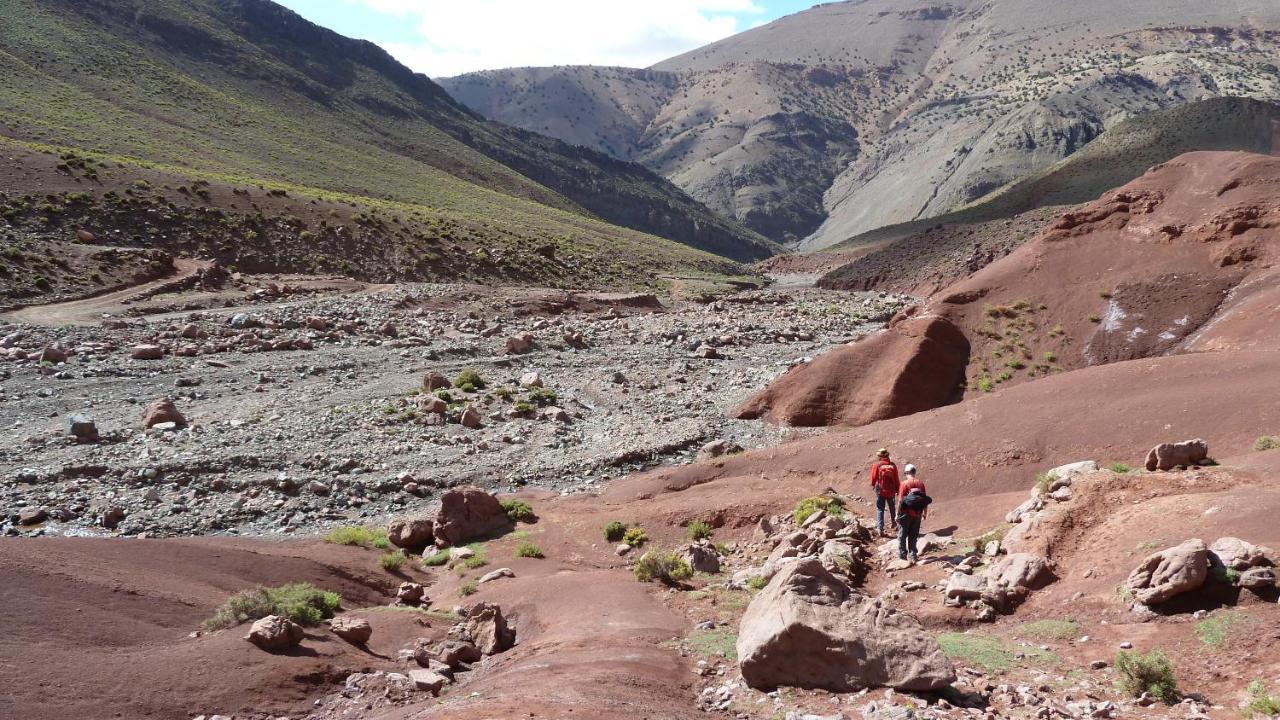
448,37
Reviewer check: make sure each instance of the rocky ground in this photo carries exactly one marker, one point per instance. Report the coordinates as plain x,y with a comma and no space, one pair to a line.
301,406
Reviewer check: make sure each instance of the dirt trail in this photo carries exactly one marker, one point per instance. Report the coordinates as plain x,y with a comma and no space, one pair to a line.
88,311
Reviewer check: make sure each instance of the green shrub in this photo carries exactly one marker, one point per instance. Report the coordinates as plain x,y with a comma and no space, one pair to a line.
699,530
529,550
1266,442
758,582
437,559
807,507
518,510
1151,673
475,561
665,566
355,536
614,530
985,384
393,561
381,543
635,537
1120,468
1044,481
542,397
1262,702
302,603
468,588
523,407
469,377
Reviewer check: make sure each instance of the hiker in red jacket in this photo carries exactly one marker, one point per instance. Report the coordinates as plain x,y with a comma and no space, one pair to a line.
913,507
884,481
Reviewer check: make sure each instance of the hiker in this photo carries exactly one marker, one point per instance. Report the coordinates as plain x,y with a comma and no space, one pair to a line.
884,480
913,507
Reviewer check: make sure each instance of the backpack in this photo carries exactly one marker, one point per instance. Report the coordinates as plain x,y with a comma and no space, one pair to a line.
916,501
887,480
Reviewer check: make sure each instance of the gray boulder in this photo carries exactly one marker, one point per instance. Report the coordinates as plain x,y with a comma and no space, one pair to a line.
275,633
410,533
1171,572
1237,554
808,629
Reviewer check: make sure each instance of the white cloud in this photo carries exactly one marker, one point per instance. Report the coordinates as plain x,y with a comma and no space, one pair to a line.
460,36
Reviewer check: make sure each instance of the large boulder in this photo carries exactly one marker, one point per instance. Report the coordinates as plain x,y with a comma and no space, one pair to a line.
1170,572
468,513
913,366
275,633
1167,456
702,557
1012,577
354,630
410,533
808,629
487,629
1237,554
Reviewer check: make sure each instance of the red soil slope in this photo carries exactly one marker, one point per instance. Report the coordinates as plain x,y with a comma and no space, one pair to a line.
1181,259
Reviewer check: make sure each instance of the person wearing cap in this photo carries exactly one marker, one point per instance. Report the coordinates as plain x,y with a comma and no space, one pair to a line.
884,482
909,519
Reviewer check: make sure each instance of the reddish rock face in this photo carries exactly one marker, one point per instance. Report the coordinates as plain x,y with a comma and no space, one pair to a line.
468,513
917,364
162,411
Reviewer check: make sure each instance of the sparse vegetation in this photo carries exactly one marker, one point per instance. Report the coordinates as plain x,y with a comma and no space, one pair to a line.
1052,629
807,507
518,511
664,566
614,531
1044,481
714,643
393,561
1214,630
635,537
997,533
357,536
1150,673
989,653
437,559
758,582
468,588
1261,701
1119,468
699,530
1266,442
529,550
302,603
469,381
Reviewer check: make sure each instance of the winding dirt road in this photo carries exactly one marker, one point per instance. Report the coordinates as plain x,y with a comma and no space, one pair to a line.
89,311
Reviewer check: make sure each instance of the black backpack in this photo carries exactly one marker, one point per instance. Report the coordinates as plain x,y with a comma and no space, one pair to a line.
916,501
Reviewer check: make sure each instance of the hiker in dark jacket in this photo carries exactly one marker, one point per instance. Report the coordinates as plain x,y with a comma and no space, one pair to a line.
884,482
911,511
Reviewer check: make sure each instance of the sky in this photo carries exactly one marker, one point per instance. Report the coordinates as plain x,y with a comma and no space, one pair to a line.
441,38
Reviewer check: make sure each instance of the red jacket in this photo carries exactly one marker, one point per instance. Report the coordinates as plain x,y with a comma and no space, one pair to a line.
886,492
911,483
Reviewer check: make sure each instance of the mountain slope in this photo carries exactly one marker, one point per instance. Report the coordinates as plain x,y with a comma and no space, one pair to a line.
925,255
248,89
855,115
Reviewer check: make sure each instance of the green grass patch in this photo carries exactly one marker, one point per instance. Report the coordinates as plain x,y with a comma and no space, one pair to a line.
808,506
979,543
1266,442
714,643
758,582
302,603
468,588
1261,701
518,511
357,536
436,559
614,531
1120,468
1051,629
1214,630
529,550
990,653
393,561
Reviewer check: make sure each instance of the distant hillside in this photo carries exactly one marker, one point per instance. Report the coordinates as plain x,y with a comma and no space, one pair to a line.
925,255
245,91
855,115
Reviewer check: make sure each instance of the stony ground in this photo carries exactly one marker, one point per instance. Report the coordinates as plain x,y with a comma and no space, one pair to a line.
304,409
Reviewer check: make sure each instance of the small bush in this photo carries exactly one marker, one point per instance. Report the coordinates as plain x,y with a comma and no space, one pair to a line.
699,530
529,550
468,588
393,561
518,511
542,397
635,537
1120,468
1266,442
807,507
758,582
475,561
1050,356
469,377
302,603
665,566
355,536
1044,481
1262,702
614,531
437,559
985,384
1151,673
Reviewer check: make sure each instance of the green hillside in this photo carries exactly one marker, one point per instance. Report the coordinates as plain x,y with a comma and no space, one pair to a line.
245,92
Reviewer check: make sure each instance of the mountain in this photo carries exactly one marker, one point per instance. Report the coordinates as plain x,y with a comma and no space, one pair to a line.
245,92
924,256
855,115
